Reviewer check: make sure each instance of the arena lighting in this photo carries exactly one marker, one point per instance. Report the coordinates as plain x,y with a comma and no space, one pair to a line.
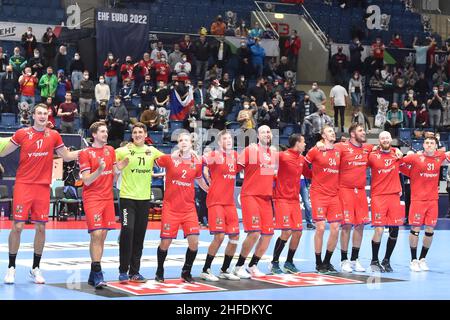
279,16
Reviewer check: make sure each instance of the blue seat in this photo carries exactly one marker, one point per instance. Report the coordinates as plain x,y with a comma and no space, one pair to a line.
284,140
8,119
76,124
164,148
405,135
127,135
288,130
233,125
174,125
417,145
156,136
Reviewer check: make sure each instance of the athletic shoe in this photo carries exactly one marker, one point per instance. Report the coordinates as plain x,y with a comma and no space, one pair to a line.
208,276
289,267
375,266
36,275
423,265
275,268
346,266
99,282
415,266
321,268
254,272
357,266
10,275
241,273
123,277
331,269
187,277
228,276
137,278
91,278
310,226
159,277
386,265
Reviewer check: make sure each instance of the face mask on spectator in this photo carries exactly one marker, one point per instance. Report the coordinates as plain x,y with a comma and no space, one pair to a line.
77,57
152,108
110,57
86,77
102,80
163,60
29,33
117,103
184,59
246,106
49,73
29,73
36,55
435,91
128,61
242,44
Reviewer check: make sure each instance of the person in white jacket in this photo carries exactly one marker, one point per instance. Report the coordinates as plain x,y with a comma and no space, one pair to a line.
102,92
183,69
216,93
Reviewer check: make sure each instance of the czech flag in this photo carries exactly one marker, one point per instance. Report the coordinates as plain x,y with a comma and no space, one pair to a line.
179,108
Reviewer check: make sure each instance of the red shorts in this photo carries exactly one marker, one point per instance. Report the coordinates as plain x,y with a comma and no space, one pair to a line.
387,211
354,206
223,219
288,215
100,215
325,208
171,221
257,214
423,213
31,198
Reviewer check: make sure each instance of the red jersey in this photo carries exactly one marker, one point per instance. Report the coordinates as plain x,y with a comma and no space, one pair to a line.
259,163
36,154
385,173
424,175
352,170
222,169
291,167
325,170
28,87
102,188
126,70
110,68
179,194
162,71
145,66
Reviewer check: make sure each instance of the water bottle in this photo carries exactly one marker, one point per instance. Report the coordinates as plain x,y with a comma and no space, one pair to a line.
2,214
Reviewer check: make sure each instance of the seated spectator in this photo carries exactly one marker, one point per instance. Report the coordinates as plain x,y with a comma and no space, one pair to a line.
52,113
183,69
28,83
68,110
283,67
240,87
440,75
218,27
9,89
422,117
242,30
360,118
62,87
305,108
410,107
18,62
126,93
397,41
206,115
101,114
190,123
150,117
269,32
259,92
394,120
102,91
411,75
216,92
48,84
246,116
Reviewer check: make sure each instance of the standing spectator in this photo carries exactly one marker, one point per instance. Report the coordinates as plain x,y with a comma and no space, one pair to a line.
175,56
256,31
258,55
49,43
9,88
86,95
101,114
146,91
158,53
102,91
446,111
394,120
76,69
128,71
355,88
435,108
216,92
356,49
36,63
28,83
268,115
18,62
202,51
259,92
221,54
305,108
410,109
422,119
242,30
29,43
339,101
111,67
244,56
240,87
246,116
183,69
3,62
52,112
146,65
206,116
440,75
162,70
421,55
68,110
360,118
61,61
187,47
378,52
376,84
162,95
338,66
316,121
62,87
421,88
150,117
48,84
292,47
199,94
317,95
282,68
399,87
397,41
218,27
118,121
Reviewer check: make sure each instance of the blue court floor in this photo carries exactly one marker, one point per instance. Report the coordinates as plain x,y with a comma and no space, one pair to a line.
66,260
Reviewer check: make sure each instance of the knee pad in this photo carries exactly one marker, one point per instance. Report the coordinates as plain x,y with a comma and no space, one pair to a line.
393,232
415,233
429,234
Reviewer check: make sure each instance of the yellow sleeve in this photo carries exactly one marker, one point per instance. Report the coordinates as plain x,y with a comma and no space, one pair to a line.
4,142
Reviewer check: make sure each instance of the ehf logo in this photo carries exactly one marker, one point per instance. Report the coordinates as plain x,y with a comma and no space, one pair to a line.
377,216
346,213
320,210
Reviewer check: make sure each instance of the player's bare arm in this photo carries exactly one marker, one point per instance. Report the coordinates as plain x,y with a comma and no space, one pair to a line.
67,155
89,177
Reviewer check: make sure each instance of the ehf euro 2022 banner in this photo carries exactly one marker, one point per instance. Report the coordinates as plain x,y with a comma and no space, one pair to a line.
122,32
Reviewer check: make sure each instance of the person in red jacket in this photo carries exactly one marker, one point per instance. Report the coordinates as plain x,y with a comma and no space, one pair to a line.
146,64
378,52
111,67
128,70
397,41
28,83
163,71
293,46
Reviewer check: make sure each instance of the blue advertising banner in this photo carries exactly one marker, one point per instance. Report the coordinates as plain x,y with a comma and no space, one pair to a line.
122,32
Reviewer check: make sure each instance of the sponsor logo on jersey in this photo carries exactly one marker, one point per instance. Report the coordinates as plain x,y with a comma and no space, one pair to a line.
37,154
